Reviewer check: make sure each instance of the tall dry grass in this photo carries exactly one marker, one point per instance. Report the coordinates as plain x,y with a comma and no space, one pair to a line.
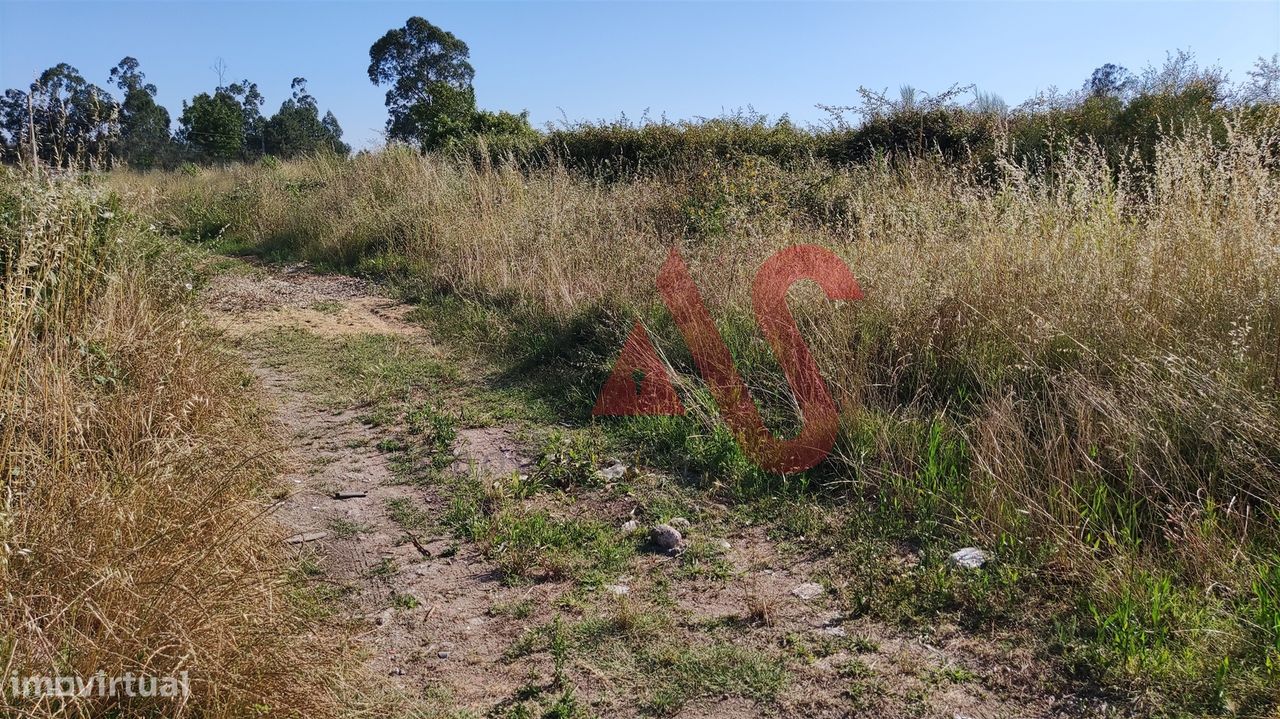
1039,308
134,463
1079,367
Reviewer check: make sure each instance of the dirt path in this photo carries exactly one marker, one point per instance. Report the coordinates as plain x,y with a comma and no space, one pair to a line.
552,607
425,605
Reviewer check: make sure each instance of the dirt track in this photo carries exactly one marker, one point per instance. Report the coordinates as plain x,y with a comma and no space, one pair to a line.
436,619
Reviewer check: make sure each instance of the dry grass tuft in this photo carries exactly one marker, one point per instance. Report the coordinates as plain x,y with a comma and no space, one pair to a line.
134,461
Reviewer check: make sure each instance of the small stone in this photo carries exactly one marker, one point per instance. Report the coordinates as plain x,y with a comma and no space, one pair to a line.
306,537
665,536
615,471
442,655
723,544
679,523
969,558
630,526
808,591
618,589
350,494
397,671
833,631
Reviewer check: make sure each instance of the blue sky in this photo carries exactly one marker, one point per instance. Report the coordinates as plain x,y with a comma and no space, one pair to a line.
593,60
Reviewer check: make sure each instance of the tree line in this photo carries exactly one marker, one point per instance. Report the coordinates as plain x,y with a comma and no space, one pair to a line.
63,120
431,105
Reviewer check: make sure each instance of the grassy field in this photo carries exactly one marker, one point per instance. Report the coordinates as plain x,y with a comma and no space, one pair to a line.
1075,368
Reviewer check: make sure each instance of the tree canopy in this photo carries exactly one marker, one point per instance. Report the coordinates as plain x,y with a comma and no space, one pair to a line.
73,121
430,97
145,140
213,125
297,128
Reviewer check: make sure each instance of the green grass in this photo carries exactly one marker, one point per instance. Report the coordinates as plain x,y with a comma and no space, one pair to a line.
537,369
404,601
533,544
529,544
522,609
569,459
346,529
384,569
377,372
307,590
644,650
406,513
328,307
433,429
704,560
395,381
811,648
683,675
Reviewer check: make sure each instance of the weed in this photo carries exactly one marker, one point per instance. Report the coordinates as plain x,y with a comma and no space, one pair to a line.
568,460
704,560
390,444
404,601
687,674
384,569
516,610
328,307
435,429
406,513
345,528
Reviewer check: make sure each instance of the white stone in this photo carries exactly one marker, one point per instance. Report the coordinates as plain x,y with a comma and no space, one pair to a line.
808,591
969,558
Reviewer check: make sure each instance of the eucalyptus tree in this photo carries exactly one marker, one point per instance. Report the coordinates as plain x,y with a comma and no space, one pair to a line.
68,120
297,128
429,74
145,140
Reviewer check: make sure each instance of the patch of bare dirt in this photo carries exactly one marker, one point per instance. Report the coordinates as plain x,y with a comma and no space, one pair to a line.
488,450
294,298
